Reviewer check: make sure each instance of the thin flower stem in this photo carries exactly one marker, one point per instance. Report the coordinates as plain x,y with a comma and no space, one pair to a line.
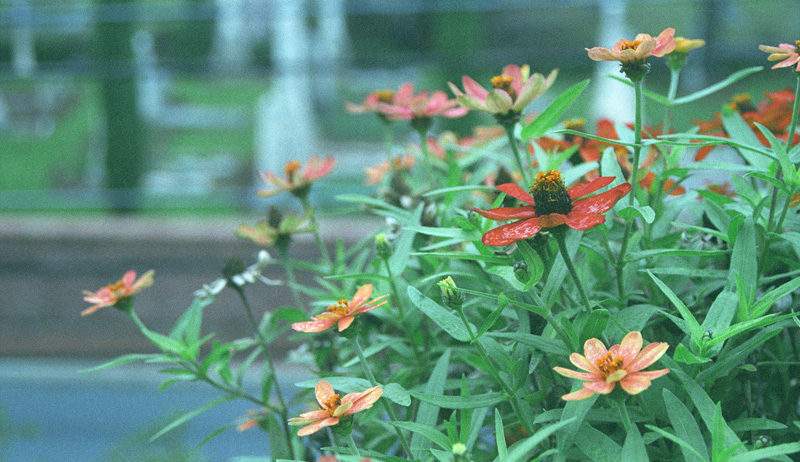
388,140
553,323
352,445
674,77
562,248
389,410
290,277
623,414
323,250
395,292
426,153
512,141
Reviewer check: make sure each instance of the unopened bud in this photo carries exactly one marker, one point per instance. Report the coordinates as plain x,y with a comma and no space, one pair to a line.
707,335
521,272
762,441
450,297
474,218
382,246
459,449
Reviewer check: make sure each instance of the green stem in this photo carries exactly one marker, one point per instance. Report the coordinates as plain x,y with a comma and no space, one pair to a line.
674,76
352,445
389,410
395,292
388,140
323,250
553,323
623,413
290,278
562,248
518,156
426,153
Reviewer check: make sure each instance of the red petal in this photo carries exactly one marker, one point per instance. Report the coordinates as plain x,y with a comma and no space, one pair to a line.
583,222
552,220
602,202
512,232
508,213
515,191
580,190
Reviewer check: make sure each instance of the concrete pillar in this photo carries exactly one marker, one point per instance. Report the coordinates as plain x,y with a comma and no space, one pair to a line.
612,99
22,46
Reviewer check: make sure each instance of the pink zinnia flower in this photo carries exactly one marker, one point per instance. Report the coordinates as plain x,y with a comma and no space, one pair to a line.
422,106
511,91
296,181
642,47
790,54
621,363
373,101
334,408
110,295
342,313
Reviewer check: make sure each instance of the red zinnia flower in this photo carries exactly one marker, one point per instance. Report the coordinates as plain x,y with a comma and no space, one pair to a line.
373,101
550,205
342,313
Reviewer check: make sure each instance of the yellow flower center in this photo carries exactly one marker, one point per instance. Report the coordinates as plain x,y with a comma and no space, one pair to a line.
797,45
117,288
549,194
575,124
742,103
611,367
291,167
630,45
384,96
340,307
332,403
501,82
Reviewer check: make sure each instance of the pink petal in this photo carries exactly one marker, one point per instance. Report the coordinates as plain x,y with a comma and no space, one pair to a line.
508,213
593,350
585,376
644,49
312,415
345,322
665,42
323,391
362,400
404,93
372,304
602,54
650,354
630,346
361,295
582,363
516,192
533,88
582,222
128,279
601,386
437,102
474,89
317,325
602,202
318,425
583,393
512,232
455,112
580,190
789,62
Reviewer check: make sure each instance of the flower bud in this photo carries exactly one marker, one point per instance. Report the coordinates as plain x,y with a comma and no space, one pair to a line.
762,441
474,218
459,449
521,272
707,335
382,246
450,297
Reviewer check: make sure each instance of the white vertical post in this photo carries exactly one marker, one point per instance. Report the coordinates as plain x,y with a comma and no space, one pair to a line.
612,99
231,45
149,85
330,47
22,49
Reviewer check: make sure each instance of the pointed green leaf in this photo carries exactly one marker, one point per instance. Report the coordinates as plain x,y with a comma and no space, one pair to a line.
446,319
634,448
686,428
549,116
695,331
428,413
429,433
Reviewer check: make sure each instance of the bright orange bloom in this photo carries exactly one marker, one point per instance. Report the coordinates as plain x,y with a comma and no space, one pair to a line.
621,363
642,47
550,204
786,53
110,295
296,181
334,407
342,313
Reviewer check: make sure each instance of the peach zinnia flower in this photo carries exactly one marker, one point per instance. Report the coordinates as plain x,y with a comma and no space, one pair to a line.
296,181
334,408
511,91
372,102
422,106
788,53
110,295
642,47
342,313
621,363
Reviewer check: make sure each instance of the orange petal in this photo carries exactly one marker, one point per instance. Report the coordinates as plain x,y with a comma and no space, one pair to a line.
317,325
323,391
630,346
582,363
601,386
583,393
362,294
552,220
585,376
512,232
316,426
648,356
593,350
583,189
363,400
345,322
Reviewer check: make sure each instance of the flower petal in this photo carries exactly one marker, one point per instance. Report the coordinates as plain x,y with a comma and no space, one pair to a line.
361,296
323,392
602,202
581,362
508,213
582,222
580,190
512,232
318,425
650,354
629,347
585,376
362,400
602,54
552,220
317,325
516,192
601,386
593,350
345,322
499,102
474,89
583,393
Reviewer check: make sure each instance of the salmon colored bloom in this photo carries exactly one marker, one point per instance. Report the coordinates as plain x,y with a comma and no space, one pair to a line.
621,363
786,53
550,204
399,163
373,101
334,407
422,106
641,48
511,91
294,180
342,313
111,295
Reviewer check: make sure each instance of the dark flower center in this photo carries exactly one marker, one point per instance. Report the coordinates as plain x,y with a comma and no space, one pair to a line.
501,82
549,194
742,103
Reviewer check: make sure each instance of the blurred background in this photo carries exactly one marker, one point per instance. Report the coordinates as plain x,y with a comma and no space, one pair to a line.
131,134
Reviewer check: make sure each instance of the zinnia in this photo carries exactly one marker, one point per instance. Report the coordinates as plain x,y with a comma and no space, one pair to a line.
334,408
788,53
342,313
621,363
112,294
296,181
550,204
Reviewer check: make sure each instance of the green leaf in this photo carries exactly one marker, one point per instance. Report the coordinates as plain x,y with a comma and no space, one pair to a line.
695,331
401,214
399,258
683,444
736,356
634,448
767,453
595,325
534,262
460,402
122,360
645,213
537,342
743,258
428,414
500,436
575,413
683,355
779,148
767,300
738,130
686,428
188,325
749,424
597,446
494,259
443,191
549,116
502,304
192,414
738,75
345,384
721,312
396,393
445,318
521,450
429,433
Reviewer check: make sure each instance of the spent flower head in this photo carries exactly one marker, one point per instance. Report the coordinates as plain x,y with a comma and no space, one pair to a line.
343,312
296,180
117,294
621,363
632,54
787,53
551,204
334,408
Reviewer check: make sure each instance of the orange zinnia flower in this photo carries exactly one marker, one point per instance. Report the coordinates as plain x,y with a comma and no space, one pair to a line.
111,295
621,363
550,204
334,408
642,47
342,313
788,53
295,181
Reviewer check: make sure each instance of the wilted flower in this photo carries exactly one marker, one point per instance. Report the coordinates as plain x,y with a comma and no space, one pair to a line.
621,363
250,275
277,230
334,408
633,55
373,101
119,291
788,53
296,181
511,92
342,313
550,204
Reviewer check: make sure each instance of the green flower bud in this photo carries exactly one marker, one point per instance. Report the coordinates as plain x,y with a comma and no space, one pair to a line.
382,246
762,441
521,272
459,449
451,298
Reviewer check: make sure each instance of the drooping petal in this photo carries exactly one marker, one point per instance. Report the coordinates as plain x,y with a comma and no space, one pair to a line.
318,425
362,400
516,192
316,325
512,232
582,222
650,354
499,102
552,220
323,392
474,89
602,54
630,346
601,203
585,376
583,393
345,322
508,213
374,303
601,386
580,190
593,350
361,296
